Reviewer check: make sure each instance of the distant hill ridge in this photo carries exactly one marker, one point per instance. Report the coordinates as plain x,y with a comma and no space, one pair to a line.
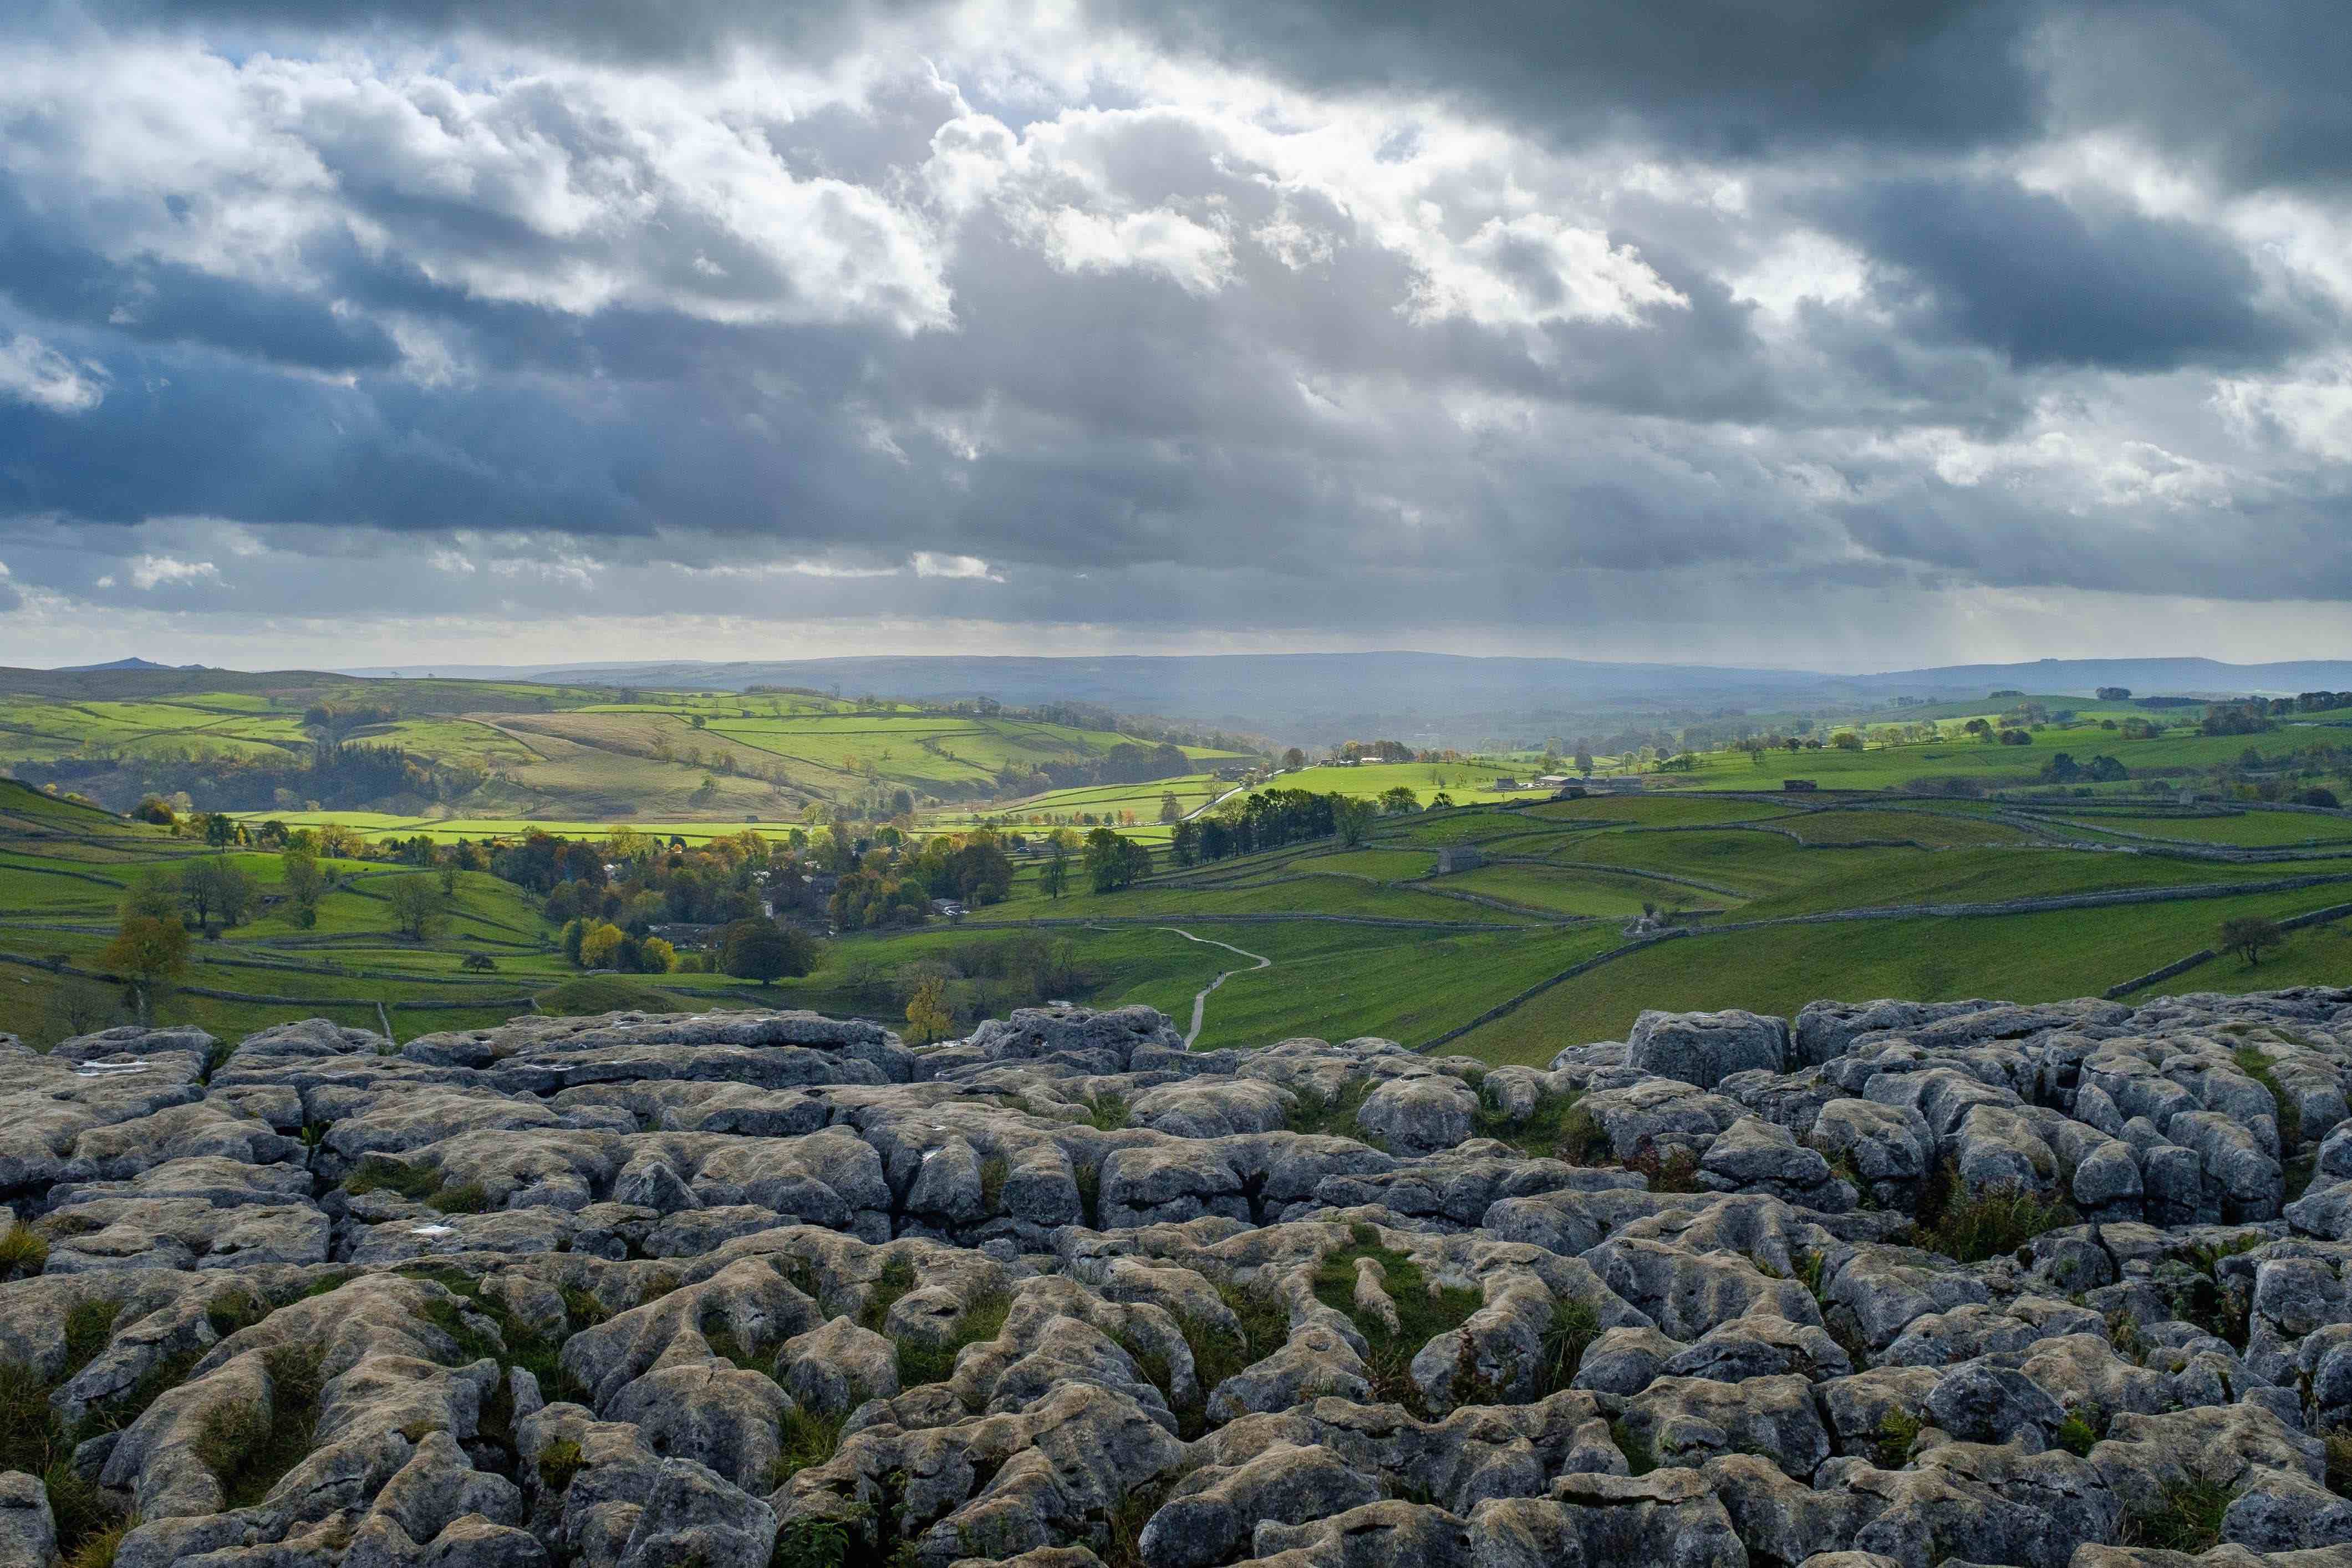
1316,692
134,662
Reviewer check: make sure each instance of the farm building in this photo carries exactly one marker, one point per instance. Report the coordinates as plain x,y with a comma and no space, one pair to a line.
1799,786
1459,858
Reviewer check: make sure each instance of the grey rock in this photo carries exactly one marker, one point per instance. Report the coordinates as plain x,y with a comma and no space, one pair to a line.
28,1533
1702,1048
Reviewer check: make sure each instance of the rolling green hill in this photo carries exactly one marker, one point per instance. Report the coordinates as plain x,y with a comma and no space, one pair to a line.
1771,899
495,750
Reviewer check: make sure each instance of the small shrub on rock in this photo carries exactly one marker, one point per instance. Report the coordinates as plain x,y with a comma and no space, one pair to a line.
1898,1430
1583,1141
2186,1518
1970,1228
2339,1460
23,1252
1671,1170
558,1463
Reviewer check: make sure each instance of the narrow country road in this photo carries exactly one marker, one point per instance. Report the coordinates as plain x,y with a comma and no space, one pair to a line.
1211,805
1200,1000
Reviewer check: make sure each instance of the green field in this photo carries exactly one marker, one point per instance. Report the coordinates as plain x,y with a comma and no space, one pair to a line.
1465,781
1937,828
1068,808
2020,958
2253,829
515,749
1365,940
1567,893
1883,766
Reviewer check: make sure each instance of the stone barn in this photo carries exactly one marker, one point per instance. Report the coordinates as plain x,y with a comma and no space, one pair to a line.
1459,858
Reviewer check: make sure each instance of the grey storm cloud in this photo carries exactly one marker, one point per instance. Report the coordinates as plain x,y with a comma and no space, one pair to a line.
1202,316
2047,283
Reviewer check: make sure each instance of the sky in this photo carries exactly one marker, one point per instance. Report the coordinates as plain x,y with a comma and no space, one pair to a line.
1845,334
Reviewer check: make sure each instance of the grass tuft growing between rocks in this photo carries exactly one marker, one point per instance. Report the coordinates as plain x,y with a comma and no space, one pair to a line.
34,1440
89,1327
1110,1112
235,1310
1329,1115
994,1171
2082,1430
1640,1458
2339,1460
898,1278
98,1548
1424,1309
2123,1334
2251,1061
1217,1352
251,1451
558,1463
23,1252
2219,1307
418,1183
1971,1227
1574,1326
1671,1170
813,1543
1540,1134
983,1318
1582,1140
2187,1518
1123,1531
1898,1430
582,1309
809,1437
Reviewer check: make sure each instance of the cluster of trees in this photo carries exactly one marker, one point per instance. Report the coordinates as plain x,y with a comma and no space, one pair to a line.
205,889
1266,820
340,778
1113,862
332,723
2302,703
1756,746
872,898
214,892
975,869
600,944
2298,775
2250,718
2062,768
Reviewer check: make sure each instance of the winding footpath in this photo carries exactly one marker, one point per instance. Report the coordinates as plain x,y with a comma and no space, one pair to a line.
1200,999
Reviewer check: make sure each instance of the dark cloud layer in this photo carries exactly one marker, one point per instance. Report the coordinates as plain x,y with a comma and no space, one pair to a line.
2048,283
1219,318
